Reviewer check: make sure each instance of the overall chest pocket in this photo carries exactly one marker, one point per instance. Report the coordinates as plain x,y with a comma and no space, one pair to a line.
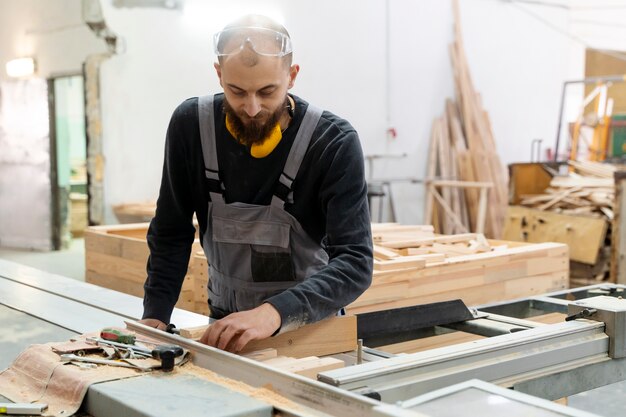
266,242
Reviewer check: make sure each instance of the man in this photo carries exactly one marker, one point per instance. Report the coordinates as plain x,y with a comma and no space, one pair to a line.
278,189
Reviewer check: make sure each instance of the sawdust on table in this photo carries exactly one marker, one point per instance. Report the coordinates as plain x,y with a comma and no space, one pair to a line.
264,393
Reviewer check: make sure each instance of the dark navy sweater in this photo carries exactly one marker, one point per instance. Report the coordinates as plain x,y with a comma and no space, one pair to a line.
330,202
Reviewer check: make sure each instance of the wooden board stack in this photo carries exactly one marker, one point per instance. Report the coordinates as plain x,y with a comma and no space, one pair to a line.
299,351
116,258
463,148
326,337
588,189
576,209
414,266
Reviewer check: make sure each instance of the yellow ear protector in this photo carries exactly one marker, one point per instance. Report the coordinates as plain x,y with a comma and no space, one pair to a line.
261,150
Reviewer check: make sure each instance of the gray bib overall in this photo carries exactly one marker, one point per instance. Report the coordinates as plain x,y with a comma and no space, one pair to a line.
255,252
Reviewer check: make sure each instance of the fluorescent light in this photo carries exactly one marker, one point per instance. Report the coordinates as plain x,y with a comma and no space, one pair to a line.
20,67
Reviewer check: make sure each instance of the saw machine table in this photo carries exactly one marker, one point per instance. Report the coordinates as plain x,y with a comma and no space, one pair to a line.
549,361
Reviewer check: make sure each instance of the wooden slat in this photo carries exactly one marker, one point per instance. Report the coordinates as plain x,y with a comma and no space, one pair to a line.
463,237
400,263
261,355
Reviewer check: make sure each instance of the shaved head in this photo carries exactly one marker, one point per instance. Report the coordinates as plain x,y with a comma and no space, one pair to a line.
248,57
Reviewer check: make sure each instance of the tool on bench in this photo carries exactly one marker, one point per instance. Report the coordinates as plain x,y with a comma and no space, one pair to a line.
22,409
167,354
69,357
118,336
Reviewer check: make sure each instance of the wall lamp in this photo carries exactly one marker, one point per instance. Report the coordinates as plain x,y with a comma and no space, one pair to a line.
21,67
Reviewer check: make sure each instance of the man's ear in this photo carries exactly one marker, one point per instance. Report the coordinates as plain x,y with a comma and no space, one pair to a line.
218,69
293,73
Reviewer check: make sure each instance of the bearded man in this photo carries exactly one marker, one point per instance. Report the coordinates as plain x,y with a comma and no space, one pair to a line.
278,189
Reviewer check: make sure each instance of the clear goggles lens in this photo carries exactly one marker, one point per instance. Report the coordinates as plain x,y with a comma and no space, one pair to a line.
263,41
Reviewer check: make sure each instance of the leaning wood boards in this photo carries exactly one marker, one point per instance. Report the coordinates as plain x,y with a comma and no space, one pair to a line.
463,147
518,270
116,257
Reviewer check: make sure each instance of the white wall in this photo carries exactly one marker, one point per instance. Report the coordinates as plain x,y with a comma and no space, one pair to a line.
51,31
169,58
518,64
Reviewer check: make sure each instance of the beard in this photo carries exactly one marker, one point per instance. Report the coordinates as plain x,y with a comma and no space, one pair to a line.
254,130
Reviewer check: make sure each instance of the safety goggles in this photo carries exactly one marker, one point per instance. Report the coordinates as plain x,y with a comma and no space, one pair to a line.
266,42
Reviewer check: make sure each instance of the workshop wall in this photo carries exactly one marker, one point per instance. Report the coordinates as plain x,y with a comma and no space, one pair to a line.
51,31
378,64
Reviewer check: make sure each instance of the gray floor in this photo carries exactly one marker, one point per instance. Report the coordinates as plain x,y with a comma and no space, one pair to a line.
606,401
68,262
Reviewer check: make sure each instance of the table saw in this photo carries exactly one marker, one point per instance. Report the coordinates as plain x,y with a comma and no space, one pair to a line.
518,365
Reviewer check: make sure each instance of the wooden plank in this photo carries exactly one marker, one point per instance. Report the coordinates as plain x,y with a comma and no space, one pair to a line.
586,182
326,337
402,228
312,366
432,342
261,355
400,263
463,237
618,232
474,295
381,252
431,172
585,236
279,361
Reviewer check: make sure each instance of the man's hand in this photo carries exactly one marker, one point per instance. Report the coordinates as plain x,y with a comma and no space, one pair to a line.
233,332
158,324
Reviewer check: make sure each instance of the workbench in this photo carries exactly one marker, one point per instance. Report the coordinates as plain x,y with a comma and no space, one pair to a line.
548,361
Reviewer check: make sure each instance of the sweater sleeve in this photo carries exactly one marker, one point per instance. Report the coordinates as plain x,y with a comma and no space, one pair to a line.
171,231
343,201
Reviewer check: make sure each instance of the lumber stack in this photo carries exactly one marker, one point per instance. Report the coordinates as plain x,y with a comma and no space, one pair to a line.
116,258
415,266
588,189
463,148
309,366
576,208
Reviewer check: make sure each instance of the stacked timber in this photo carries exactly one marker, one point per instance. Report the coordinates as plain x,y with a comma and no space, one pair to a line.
303,351
463,148
116,258
576,208
412,266
415,266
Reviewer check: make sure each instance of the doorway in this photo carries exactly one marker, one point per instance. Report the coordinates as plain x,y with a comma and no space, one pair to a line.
68,154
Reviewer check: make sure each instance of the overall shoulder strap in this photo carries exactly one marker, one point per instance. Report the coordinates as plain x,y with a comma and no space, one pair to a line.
206,118
296,155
